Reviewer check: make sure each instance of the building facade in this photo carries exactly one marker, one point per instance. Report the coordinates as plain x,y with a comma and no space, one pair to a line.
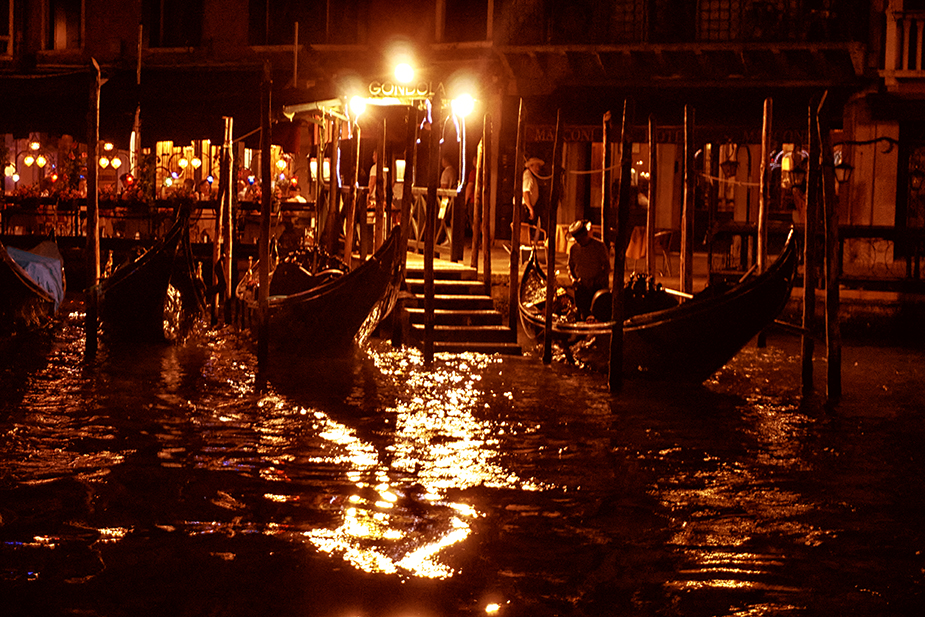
201,59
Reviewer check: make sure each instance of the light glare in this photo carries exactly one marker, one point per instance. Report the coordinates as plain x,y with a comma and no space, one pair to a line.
404,73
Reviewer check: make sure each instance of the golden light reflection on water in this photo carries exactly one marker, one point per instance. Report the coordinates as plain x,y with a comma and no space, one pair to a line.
401,521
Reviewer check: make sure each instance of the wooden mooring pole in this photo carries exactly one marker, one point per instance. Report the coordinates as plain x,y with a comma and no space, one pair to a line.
811,217
227,202
650,210
621,239
93,215
513,304
832,299
486,203
266,203
430,227
687,212
551,208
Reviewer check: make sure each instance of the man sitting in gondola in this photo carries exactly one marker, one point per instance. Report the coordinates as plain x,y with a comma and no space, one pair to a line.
588,266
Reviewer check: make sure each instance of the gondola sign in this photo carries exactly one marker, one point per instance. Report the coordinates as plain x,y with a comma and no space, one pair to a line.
403,93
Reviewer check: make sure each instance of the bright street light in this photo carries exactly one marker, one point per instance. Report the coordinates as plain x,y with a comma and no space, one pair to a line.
463,105
357,106
404,73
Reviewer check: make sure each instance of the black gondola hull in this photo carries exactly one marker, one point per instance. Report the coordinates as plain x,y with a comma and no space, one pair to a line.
24,304
336,315
692,341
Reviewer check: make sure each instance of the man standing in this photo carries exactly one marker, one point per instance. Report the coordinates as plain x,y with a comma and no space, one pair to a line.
588,266
532,190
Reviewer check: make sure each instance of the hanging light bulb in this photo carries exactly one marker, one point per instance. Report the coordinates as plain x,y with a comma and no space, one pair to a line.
197,162
41,160
116,163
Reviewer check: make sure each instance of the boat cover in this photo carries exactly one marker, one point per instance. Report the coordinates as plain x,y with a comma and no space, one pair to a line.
45,271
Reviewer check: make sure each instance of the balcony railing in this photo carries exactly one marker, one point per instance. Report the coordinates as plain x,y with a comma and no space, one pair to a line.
903,46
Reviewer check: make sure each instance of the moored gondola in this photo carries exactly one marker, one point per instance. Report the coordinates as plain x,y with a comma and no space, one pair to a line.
32,286
133,299
329,309
688,342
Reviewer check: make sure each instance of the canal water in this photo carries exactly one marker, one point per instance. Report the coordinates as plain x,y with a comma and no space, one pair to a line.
161,481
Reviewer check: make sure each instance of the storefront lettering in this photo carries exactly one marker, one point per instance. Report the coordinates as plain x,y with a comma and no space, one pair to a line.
378,88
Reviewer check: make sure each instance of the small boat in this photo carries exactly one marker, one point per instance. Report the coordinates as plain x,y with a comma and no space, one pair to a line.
32,286
323,308
688,342
132,299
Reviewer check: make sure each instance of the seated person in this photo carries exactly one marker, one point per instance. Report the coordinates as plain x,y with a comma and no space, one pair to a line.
588,266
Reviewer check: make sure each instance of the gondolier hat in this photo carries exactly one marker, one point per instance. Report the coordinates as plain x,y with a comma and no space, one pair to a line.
532,160
579,228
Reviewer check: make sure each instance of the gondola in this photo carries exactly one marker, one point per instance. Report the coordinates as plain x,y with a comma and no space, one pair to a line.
688,342
132,299
32,286
329,309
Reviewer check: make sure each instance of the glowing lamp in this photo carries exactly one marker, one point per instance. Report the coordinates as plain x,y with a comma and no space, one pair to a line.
34,145
116,163
29,160
168,181
9,170
404,73
463,105
108,146
357,105
15,177
197,162
104,162
325,170
183,163
210,179
41,160
281,164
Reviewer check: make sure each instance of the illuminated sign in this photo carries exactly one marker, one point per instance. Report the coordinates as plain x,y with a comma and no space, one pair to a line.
388,89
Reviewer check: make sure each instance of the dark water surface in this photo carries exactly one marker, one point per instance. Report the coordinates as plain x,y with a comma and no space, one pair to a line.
158,481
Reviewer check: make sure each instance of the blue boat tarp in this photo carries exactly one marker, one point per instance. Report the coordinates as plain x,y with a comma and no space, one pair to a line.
45,271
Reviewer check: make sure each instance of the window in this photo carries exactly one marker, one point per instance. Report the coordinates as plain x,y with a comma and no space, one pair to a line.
64,25
6,27
172,23
272,22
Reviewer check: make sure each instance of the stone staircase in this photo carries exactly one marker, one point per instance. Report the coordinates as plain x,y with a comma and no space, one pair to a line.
465,319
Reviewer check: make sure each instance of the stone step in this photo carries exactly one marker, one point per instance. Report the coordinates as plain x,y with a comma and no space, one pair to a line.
450,317
507,349
447,287
444,273
459,302
471,334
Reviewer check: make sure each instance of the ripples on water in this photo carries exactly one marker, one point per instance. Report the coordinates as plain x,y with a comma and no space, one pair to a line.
158,480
